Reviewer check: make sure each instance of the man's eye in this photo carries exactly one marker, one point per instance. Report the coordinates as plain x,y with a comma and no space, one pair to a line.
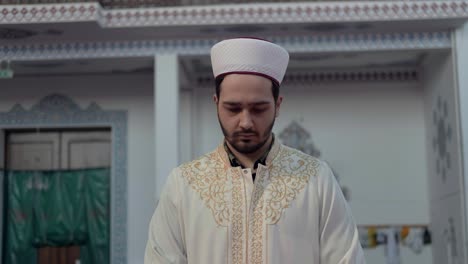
234,110
259,110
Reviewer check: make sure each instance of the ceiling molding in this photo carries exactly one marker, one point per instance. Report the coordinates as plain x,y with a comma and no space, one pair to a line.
353,75
309,43
383,74
271,13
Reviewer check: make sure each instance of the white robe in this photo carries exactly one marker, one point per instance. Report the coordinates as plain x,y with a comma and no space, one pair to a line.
294,212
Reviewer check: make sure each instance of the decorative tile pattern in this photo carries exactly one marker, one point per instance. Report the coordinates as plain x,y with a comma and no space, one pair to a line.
60,111
287,13
52,13
442,138
154,3
300,12
295,136
447,227
450,239
309,43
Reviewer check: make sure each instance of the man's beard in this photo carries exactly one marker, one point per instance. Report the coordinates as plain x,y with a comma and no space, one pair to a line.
246,148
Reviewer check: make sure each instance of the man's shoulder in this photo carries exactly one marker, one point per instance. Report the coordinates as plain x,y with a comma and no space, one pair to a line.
201,172
206,162
295,160
288,152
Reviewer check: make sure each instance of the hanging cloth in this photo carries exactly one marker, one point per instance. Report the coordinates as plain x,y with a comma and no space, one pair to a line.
392,250
57,208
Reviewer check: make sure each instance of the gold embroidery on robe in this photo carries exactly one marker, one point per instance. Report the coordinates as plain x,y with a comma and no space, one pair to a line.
289,174
237,226
287,177
273,192
208,178
256,222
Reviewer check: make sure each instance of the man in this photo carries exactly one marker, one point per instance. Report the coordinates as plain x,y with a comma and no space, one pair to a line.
252,200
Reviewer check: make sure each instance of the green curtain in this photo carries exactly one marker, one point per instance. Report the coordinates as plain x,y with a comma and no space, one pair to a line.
57,208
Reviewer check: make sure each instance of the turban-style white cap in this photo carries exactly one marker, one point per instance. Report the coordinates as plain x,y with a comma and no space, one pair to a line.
249,56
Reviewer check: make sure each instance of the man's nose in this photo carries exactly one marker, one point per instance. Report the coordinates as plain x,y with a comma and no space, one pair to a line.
245,120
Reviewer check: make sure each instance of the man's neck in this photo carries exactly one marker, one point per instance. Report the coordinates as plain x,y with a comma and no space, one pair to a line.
248,160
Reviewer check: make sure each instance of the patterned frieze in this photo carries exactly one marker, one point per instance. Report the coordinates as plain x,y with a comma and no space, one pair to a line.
276,13
145,48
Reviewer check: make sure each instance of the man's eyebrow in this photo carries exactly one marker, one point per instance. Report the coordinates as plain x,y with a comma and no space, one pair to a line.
229,103
260,103
232,103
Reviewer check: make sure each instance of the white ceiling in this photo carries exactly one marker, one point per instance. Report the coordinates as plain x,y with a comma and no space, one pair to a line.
82,66
91,31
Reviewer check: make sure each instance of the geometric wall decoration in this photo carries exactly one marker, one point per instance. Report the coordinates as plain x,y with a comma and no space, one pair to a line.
447,226
219,13
58,111
294,12
451,242
295,136
442,138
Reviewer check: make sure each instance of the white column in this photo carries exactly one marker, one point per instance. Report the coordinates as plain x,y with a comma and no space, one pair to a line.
166,107
461,52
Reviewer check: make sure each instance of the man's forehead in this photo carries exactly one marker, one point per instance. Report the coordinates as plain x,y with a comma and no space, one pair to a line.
236,78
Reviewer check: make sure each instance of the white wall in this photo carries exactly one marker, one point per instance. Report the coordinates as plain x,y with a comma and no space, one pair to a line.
372,134
185,126
206,133
166,109
133,93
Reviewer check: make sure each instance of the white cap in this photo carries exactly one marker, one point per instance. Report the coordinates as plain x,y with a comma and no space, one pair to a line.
249,56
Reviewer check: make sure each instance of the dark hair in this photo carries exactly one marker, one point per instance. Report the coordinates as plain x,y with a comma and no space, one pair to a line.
274,87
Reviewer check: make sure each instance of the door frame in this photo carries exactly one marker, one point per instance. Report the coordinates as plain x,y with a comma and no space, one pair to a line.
59,111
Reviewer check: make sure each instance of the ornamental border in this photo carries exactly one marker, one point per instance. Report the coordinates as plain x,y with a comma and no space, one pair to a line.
295,44
358,11
286,13
50,13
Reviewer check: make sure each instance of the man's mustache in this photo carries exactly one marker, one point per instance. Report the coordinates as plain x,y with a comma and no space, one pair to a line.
244,132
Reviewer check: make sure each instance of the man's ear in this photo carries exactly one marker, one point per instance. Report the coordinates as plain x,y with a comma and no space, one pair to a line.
215,99
278,105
